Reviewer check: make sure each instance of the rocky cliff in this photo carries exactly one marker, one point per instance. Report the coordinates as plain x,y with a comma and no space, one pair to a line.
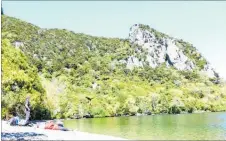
158,48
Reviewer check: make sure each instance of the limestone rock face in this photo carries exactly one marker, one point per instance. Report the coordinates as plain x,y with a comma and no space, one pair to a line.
159,50
209,71
133,61
176,58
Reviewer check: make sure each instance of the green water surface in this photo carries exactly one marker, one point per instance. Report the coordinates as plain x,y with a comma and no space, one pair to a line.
204,126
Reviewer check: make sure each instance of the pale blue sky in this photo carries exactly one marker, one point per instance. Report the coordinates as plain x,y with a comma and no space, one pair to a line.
201,23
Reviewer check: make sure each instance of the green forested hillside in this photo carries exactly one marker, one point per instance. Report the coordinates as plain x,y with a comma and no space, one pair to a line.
19,78
77,75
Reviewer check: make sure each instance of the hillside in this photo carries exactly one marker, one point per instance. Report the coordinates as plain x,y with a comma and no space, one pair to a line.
19,78
87,76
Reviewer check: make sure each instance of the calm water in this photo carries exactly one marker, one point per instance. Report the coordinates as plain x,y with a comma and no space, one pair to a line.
181,127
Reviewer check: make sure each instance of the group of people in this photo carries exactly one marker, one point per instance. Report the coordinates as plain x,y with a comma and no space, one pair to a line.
51,125
15,120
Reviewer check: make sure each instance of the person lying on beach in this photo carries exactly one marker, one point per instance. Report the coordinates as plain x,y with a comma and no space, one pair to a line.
51,125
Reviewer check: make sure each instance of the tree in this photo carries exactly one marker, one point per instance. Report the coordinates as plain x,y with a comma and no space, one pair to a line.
2,10
20,78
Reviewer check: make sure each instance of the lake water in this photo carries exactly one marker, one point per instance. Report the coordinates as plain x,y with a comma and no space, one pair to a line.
165,127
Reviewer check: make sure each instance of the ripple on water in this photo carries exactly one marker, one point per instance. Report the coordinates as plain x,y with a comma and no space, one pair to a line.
204,126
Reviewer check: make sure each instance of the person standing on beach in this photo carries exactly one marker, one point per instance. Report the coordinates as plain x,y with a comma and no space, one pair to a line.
27,109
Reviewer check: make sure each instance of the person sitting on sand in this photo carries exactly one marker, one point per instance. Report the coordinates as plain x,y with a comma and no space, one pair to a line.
14,120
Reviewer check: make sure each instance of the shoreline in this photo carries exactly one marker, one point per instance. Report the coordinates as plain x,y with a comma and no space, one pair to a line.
33,133
139,115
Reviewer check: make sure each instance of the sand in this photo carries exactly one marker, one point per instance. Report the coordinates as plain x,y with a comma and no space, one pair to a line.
33,133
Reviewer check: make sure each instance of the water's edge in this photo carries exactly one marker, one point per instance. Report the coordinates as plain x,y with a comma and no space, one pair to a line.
138,115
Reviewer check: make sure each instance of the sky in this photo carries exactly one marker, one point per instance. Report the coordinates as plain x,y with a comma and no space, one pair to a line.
201,23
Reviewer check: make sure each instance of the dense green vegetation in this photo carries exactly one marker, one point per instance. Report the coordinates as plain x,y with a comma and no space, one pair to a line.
77,75
19,78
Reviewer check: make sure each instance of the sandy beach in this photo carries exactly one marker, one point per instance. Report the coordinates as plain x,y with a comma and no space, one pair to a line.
33,133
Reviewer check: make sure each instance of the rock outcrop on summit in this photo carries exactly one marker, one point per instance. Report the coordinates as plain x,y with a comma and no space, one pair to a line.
159,50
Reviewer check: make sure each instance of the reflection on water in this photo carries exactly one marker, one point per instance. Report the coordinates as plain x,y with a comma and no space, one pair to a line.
186,126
